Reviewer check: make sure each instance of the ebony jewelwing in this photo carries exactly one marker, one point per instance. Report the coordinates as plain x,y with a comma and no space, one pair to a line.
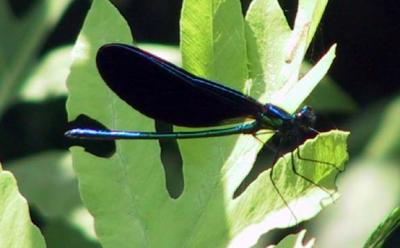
165,92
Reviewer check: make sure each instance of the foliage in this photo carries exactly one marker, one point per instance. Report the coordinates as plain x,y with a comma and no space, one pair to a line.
15,224
47,181
130,188
19,48
384,229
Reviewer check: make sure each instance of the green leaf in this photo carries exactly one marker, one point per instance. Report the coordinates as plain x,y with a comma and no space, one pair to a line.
385,143
361,133
261,205
60,233
16,228
47,80
276,52
129,187
166,52
290,241
54,172
328,96
221,28
266,32
307,83
112,188
296,241
41,179
20,46
382,232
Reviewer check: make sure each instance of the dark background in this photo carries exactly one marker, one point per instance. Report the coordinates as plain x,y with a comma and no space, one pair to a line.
366,65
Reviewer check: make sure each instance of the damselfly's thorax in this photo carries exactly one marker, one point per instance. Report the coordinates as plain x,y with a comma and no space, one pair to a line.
276,118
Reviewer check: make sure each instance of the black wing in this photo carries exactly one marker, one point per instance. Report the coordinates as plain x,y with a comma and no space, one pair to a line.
165,92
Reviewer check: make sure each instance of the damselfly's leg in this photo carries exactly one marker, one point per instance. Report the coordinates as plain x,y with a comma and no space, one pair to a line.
277,155
295,170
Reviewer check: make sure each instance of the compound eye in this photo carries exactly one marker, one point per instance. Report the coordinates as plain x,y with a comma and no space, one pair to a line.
306,109
306,116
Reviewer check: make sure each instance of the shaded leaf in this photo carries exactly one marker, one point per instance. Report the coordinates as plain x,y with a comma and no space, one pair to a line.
42,177
48,79
296,241
50,186
60,233
18,49
16,228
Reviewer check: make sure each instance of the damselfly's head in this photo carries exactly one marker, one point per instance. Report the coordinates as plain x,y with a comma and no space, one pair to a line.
305,118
